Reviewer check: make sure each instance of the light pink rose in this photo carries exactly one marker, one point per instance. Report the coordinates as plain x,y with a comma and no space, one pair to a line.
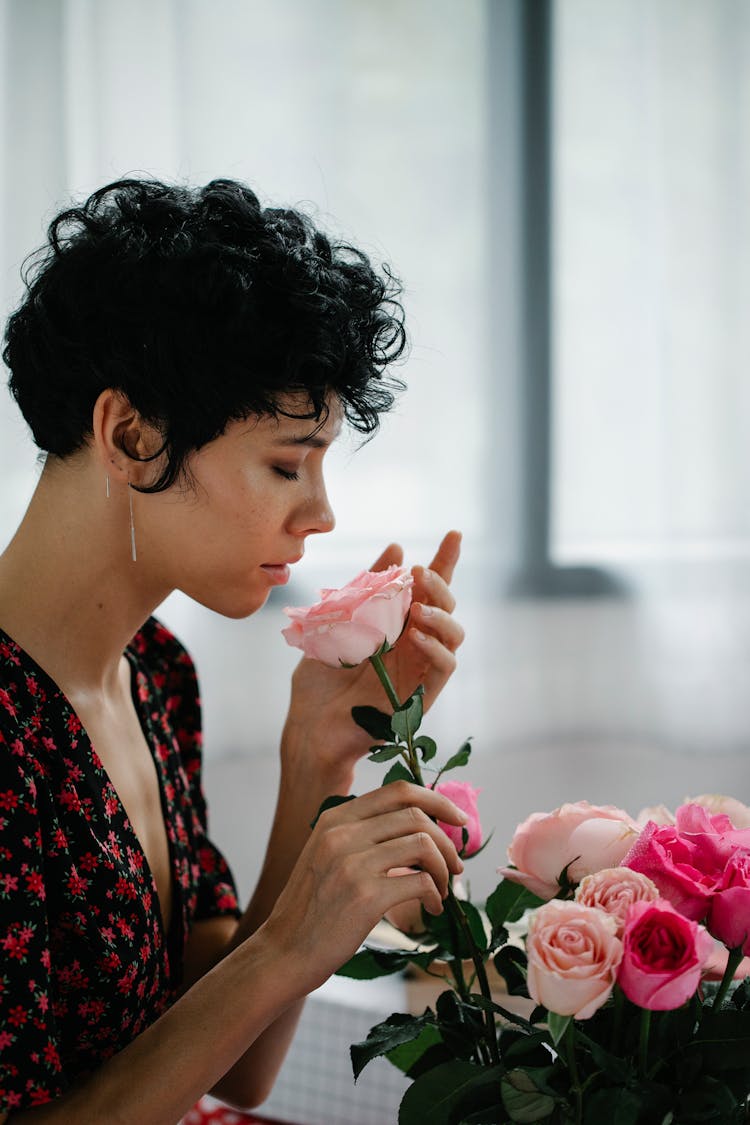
465,796
687,860
614,890
659,814
349,625
738,813
582,837
729,911
573,954
663,956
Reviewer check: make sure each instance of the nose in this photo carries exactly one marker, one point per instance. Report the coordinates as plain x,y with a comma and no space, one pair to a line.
315,516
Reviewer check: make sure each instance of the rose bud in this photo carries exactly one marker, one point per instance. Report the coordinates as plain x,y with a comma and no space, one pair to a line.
465,797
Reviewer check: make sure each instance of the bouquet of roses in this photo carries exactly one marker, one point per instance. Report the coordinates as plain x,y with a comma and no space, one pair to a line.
628,938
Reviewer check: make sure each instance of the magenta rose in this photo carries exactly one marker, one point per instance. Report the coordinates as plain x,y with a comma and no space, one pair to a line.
738,813
349,625
663,956
573,953
465,796
580,837
687,860
729,911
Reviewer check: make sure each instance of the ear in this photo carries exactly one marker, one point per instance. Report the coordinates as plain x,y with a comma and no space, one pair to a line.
123,439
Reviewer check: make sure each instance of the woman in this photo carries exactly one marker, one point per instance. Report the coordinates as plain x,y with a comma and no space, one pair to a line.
185,358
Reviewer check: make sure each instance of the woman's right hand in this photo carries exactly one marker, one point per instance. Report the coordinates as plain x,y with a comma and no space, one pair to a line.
340,887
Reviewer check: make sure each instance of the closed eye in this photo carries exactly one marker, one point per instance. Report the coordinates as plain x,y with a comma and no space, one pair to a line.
287,474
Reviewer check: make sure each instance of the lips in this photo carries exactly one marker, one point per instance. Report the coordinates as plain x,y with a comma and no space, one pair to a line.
279,573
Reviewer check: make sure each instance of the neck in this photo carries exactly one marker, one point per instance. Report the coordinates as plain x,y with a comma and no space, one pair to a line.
70,593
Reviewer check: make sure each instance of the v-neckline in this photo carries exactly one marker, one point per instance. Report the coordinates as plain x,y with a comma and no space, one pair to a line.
166,928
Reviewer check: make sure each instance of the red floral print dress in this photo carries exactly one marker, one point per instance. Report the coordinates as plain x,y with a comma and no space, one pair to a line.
85,964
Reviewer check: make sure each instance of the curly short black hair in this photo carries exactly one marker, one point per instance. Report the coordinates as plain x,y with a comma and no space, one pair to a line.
201,307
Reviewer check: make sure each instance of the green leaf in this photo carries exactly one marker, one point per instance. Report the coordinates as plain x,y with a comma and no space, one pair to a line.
384,753
440,1095
508,902
512,1017
708,1100
460,758
368,964
406,720
615,1105
330,803
398,772
394,1031
522,1100
619,1070
722,1039
376,723
511,965
558,1025
449,934
427,747
406,1056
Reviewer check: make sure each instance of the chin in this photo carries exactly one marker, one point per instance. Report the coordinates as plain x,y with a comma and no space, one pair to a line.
236,604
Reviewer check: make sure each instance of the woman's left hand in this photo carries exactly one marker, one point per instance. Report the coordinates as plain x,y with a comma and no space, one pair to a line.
320,724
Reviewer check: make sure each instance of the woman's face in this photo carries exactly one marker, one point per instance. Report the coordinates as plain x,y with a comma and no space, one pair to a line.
258,493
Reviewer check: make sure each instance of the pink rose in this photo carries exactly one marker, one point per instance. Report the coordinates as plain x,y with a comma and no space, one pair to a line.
729,912
738,813
463,795
687,860
582,837
614,890
349,625
663,955
573,953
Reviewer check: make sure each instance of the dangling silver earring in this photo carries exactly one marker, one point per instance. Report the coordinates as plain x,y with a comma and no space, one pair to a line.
108,486
132,524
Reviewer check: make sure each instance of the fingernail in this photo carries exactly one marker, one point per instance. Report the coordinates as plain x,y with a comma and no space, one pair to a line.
427,574
419,634
425,610
461,814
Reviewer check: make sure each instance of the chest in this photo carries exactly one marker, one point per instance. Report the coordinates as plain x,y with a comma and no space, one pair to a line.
118,740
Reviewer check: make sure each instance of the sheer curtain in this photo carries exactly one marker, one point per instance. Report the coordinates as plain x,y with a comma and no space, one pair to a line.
652,338
375,116
371,116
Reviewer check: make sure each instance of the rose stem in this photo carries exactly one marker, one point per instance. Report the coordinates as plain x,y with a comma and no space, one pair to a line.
735,956
455,912
377,662
643,1040
570,1048
619,996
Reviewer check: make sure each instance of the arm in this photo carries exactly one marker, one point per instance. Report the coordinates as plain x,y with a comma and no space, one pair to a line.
319,749
337,890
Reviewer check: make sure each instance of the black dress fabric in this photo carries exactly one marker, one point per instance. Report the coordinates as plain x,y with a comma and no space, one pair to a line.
85,964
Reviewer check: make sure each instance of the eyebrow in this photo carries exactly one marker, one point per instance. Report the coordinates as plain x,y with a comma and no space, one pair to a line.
311,440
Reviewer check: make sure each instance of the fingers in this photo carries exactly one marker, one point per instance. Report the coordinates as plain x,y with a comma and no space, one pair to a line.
419,850
390,798
439,623
393,555
407,822
447,555
430,588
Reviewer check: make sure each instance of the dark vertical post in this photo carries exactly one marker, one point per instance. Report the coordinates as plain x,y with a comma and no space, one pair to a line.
537,575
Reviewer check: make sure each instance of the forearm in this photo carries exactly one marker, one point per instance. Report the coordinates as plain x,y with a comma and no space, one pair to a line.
158,1077
298,801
